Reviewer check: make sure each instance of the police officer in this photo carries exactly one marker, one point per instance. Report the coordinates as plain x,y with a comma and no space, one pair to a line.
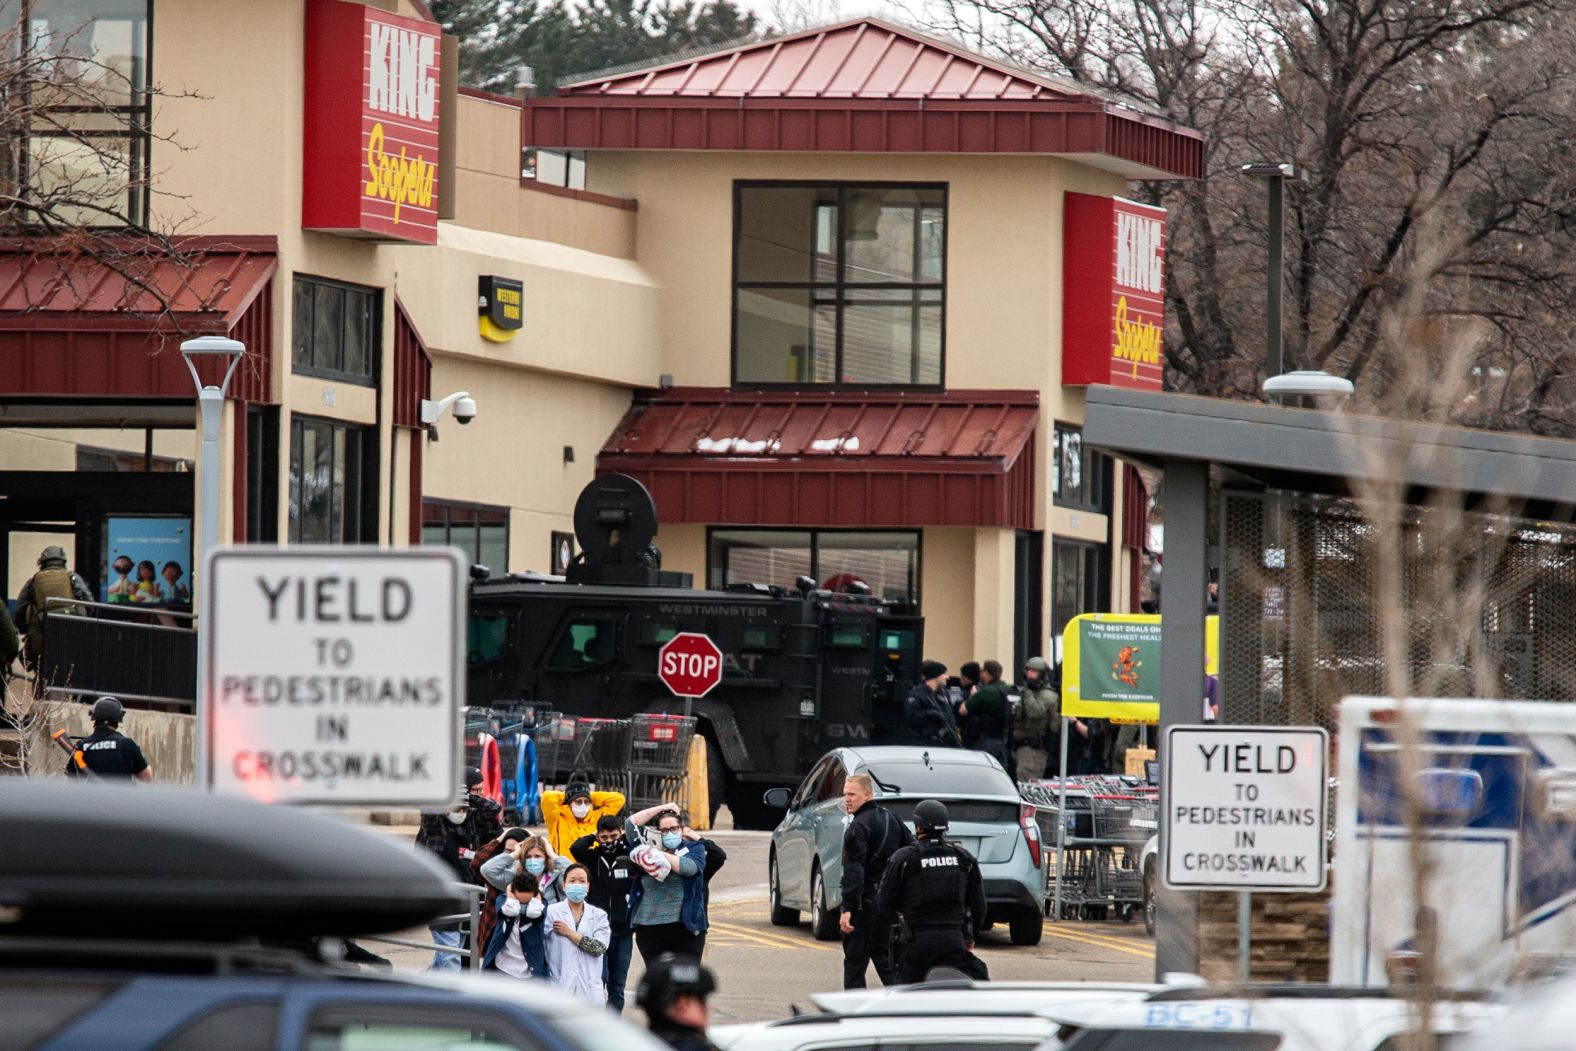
106,752
673,994
1036,722
936,888
927,710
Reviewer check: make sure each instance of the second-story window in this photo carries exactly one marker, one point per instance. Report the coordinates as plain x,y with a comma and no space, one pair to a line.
335,330
839,284
77,109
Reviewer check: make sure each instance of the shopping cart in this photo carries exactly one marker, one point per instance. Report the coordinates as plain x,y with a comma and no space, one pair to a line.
1103,827
518,729
659,758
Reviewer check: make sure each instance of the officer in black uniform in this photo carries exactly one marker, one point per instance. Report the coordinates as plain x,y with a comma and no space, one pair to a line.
106,751
936,889
673,994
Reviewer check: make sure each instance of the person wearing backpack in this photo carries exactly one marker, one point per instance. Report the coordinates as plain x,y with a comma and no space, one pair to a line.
52,581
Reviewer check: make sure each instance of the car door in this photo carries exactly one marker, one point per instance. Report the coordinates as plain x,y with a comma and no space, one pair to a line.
830,822
793,841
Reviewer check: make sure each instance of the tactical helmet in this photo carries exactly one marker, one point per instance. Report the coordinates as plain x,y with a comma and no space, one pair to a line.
670,977
930,815
52,553
1037,664
473,777
107,711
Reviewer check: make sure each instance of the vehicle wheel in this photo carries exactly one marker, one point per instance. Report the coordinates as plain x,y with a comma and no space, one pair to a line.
1149,899
716,779
780,916
823,921
1026,928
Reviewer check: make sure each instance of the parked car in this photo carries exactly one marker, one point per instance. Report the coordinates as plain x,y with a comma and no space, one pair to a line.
1262,1018
156,919
989,820
966,997
825,1032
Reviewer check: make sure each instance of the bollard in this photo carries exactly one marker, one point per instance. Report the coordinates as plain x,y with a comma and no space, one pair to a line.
474,960
697,789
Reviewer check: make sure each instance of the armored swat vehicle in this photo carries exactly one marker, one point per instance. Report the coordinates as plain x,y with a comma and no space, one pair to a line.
804,670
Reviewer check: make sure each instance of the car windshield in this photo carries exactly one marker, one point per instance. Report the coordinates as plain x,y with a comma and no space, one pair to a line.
943,779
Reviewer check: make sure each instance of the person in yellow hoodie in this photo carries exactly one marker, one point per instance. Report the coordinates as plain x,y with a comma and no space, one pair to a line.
573,812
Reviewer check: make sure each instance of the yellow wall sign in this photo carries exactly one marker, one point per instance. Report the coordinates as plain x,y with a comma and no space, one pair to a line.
1111,665
501,304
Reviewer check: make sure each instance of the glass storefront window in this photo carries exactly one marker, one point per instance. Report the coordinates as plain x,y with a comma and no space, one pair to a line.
839,284
886,561
1079,477
481,532
1077,582
333,483
84,71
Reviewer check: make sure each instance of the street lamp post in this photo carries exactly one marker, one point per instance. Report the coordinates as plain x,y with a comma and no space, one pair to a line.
1276,175
210,412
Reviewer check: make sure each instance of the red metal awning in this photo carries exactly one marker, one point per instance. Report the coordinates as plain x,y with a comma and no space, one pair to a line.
863,86
74,325
856,458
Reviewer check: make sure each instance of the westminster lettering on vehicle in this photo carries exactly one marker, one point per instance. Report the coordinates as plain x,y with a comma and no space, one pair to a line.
695,609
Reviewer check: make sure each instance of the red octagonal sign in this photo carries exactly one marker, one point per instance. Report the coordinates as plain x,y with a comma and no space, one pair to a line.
690,664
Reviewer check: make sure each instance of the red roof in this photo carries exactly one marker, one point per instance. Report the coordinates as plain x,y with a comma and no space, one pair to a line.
210,287
864,86
862,458
863,59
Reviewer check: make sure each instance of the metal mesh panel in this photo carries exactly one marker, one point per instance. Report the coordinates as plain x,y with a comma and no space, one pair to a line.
1316,597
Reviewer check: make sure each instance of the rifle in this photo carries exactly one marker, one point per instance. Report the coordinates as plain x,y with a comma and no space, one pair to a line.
77,761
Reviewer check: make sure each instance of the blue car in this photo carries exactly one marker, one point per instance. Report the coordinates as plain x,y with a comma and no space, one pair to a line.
989,820
153,919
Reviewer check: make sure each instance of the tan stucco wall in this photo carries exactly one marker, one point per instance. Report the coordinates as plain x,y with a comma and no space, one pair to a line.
512,455
168,740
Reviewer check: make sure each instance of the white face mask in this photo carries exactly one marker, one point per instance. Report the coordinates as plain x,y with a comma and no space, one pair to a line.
456,818
580,810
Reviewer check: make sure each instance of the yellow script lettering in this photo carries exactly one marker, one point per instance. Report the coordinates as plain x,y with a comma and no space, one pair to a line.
1137,341
403,180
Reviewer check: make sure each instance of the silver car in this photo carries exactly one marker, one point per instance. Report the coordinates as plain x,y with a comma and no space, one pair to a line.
988,818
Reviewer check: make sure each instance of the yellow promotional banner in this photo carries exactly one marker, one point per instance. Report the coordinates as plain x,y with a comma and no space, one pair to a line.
1111,666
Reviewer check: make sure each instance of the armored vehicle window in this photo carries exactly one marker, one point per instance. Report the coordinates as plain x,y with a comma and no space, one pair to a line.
767,638
486,638
585,642
847,636
657,633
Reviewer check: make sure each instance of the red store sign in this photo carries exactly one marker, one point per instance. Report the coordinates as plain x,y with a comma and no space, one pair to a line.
1114,292
371,140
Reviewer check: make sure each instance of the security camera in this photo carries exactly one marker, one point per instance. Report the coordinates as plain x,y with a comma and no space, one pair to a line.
460,401
465,410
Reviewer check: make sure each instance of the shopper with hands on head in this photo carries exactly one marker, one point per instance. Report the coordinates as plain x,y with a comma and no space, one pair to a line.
667,905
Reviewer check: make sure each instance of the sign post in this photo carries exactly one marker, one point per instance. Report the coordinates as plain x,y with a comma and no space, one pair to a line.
1245,811
335,675
690,666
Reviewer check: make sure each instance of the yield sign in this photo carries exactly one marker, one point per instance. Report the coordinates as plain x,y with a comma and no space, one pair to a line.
690,664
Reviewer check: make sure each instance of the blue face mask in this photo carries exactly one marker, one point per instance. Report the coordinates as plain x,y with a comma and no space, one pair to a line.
576,892
671,840
536,866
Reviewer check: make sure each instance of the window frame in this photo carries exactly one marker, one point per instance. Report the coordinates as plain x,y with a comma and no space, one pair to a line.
839,285
604,620
1099,579
449,506
375,334
367,470
815,533
137,128
1098,473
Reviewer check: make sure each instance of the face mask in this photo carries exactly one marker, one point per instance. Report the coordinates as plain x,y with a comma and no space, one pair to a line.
456,819
576,892
536,866
580,810
510,907
671,840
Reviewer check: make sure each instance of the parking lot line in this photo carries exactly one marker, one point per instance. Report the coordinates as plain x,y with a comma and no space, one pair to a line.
1112,944
1109,939
775,941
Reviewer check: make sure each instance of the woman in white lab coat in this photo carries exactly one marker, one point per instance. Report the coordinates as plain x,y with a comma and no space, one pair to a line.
577,936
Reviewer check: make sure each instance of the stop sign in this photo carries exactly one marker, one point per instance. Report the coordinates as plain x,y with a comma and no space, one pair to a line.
690,664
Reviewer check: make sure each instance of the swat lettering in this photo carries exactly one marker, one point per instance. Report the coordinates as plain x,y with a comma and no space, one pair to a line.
937,863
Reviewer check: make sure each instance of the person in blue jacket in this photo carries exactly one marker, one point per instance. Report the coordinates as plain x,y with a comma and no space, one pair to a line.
516,947
667,904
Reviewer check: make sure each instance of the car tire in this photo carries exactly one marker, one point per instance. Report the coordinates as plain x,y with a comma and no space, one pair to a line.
780,916
1026,928
823,921
1149,899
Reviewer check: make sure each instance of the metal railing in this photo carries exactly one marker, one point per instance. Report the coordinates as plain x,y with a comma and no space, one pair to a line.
469,922
143,655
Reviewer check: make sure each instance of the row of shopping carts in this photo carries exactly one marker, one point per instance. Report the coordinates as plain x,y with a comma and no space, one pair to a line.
646,757
1094,829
